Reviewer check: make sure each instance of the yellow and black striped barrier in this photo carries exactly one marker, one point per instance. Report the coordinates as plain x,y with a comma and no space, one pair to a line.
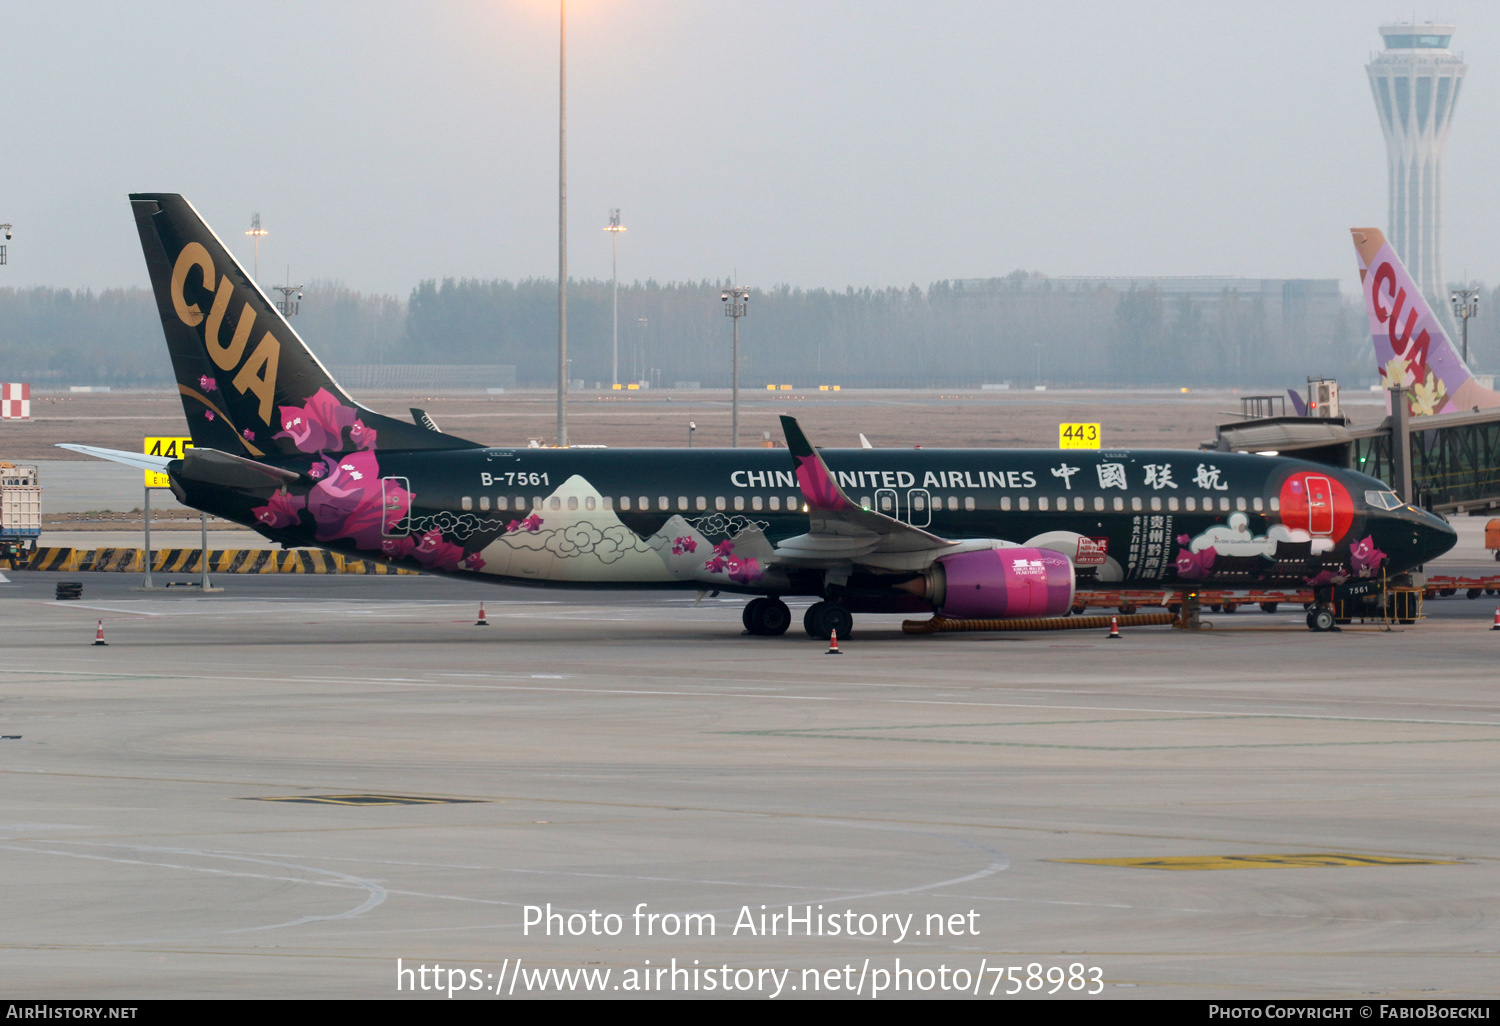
943,625
220,561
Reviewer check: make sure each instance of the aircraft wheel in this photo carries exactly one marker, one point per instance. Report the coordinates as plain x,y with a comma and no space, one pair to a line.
750,612
823,618
767,617
1320,619
1269,607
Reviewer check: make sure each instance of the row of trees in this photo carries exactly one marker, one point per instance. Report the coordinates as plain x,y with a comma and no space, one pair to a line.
1023,329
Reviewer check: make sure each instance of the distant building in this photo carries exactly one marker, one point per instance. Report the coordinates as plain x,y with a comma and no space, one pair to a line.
1415,81
1303,306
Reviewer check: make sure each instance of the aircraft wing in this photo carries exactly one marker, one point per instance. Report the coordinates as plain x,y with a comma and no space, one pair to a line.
842,531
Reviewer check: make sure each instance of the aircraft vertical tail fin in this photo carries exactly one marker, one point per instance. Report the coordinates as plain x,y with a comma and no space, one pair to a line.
1411,347
248,383
1298,403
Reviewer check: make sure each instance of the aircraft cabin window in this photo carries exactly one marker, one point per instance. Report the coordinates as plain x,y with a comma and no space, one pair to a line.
1120,503
572,501
864,501
1135,503
624,502
662,503
484,502
1224,503
1005,502
1171,503
918,503
537,502
609,502
886,503
1025,502
775,502
1275,504
645,504
755,502
792,502
502,503
1259,503
1239,503
1190,502
739,502
1041,503
701,502
467,502
719,502
557,503
1078,502
969,502
1099,503
682,504
588,502
1156,503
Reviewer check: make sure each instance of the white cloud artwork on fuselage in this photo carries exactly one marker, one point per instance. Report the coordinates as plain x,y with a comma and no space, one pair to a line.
1235,539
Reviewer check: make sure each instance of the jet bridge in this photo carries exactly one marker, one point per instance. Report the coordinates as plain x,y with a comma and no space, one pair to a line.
1446,462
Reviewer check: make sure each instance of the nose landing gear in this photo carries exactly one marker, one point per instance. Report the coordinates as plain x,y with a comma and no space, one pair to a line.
766,617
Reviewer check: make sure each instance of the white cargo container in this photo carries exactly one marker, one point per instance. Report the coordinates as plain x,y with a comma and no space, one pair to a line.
20,508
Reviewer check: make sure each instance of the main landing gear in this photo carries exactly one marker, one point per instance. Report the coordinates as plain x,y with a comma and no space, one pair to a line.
823,618
767,617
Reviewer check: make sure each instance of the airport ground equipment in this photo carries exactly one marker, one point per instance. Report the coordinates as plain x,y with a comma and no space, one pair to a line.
20,512
944,625
1492,537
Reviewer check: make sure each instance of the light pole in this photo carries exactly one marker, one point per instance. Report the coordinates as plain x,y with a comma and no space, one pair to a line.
640,347
691,428
1465,305
255,233
562,224
736,300
6,229
615,228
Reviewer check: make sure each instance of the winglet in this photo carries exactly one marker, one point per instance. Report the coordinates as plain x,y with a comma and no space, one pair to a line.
817,482
1298,403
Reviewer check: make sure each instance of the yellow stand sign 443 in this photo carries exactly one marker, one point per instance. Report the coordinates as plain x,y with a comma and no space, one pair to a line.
172,449
1078,436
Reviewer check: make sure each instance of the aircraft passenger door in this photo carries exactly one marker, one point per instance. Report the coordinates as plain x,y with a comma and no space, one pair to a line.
1319,507
887,502
395,501
918,507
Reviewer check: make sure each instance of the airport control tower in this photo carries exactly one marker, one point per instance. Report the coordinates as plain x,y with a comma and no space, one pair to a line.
1415,81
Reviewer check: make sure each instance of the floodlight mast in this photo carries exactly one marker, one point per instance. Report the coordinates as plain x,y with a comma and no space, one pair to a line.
6,228
615,228
736,300
562,224
255,233
1465,305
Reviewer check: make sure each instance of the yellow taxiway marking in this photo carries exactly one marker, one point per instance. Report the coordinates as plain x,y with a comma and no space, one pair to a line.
1261,861
365,799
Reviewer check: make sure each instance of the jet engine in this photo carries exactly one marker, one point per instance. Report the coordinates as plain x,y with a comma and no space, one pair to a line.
998,583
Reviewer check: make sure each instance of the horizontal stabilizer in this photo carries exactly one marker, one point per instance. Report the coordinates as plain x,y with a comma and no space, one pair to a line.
210,466
130,459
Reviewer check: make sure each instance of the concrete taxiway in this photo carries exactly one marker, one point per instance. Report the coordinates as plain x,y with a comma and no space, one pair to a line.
602,750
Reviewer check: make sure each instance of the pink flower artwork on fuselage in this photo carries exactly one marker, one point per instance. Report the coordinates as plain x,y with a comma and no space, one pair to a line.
432,551
352,501
318,425
362,437
281,511
1365,558
532,524
208,384
681,545
1195,566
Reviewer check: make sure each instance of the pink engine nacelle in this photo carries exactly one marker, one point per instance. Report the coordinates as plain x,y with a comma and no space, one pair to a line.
996,583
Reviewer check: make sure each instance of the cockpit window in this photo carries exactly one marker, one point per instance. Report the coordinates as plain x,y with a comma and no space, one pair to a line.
1383,500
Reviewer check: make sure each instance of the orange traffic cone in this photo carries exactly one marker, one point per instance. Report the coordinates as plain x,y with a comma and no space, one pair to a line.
99,635
481,622
1497,621
833,643
1114,628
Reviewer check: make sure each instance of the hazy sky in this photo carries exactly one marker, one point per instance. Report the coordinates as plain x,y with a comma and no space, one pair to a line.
832,143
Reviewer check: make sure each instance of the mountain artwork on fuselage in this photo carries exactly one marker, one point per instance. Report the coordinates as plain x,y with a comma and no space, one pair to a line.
281,448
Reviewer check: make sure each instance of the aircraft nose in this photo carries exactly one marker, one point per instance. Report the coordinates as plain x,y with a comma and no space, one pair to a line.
1435,536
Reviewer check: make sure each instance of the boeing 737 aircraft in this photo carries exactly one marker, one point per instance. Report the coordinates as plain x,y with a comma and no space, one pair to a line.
280,447
1411,347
